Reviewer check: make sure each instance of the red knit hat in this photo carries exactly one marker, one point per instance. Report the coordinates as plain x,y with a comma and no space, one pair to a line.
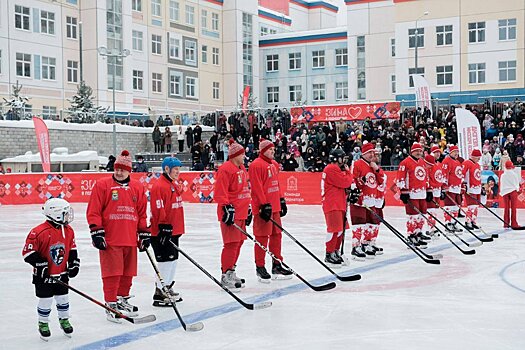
234,149
453,148
368,147
416,147
264,145
435,149
123,161
430,160
475,153
509,164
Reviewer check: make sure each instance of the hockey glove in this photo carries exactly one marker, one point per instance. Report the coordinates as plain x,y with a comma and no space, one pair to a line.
165,233
284,208
355,193
404,197
443,195
228,215
98,238
40,272
250,216
73,267
430,197
144,241
265,212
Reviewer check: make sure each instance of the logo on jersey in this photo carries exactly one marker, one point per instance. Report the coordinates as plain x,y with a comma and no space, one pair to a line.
438,176
57,252
114,195
477,174
370,180
420,173
458,172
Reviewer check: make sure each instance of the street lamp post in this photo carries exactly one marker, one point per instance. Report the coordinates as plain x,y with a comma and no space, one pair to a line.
114,54
417,40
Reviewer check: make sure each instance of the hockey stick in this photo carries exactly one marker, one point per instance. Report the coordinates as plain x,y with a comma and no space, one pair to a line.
466,252
520,228
341,278
429,259
249,306
482,239
134,320
495,235
190,328
316,288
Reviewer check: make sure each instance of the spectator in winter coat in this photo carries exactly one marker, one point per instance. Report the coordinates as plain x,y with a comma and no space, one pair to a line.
504,158
289,163
155,135
189,137
197,132
180,139
111,162
167,139
496,159
140,166
486,160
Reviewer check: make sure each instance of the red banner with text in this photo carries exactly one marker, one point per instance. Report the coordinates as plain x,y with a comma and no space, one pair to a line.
310,114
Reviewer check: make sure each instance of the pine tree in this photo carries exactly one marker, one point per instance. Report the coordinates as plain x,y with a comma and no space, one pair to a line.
252,102
16,102
83,107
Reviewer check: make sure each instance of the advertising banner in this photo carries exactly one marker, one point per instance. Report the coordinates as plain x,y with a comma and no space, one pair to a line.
311,114
469,132
42,139
423,98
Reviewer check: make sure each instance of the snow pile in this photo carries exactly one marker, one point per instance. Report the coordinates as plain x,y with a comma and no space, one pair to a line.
58,155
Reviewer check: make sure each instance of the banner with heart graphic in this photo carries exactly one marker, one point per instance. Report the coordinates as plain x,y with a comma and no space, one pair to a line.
351,112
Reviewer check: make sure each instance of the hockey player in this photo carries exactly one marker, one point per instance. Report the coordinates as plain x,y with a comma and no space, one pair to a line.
116,215
435,186
50,248
336,178
510,187
472,177
232,194
363,193
452,179
268,203
167,225
412,181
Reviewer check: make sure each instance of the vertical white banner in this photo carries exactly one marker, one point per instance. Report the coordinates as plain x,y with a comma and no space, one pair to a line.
469,132
422,90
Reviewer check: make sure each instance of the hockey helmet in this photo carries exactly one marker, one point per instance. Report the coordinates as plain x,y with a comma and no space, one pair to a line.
171,162
58,210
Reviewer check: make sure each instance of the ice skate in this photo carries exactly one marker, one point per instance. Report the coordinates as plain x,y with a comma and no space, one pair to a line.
370,252
228,280
160,299
279,272
66,326
111,316
358,254
126,308
333,260
263,275
45,333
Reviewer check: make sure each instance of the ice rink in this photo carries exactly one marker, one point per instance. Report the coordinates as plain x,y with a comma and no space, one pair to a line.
467,302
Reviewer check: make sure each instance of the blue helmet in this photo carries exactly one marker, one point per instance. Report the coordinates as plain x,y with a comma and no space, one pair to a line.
171,162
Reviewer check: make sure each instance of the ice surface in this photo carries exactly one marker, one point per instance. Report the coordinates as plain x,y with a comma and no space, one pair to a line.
467,302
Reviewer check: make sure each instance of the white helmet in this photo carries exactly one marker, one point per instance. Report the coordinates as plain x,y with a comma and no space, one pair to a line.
58,210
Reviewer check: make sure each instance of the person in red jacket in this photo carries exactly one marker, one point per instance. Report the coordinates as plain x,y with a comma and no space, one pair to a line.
116,215
472,177
335,180
232,194
50,248
268,203
412,181
167,225
452,178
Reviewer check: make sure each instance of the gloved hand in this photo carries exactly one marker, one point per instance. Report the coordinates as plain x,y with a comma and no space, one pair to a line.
355,193
250,216
165,233
405,197
98,238
144,240
430,196
443,195
284,208
40,271
265,212
228,216
73,267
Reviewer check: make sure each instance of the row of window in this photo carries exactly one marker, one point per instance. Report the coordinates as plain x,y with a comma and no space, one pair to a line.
295,93
46,22
318,60
47,67
265,31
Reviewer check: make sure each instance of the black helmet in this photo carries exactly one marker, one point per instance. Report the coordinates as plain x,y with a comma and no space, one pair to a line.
335,154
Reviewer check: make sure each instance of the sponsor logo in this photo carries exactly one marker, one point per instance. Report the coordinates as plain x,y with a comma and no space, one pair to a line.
292,183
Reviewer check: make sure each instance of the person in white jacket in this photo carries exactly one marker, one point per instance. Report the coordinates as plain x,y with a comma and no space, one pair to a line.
510,185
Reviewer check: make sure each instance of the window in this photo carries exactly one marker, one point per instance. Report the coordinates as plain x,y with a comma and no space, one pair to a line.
174,11
361,68
341,91
476,32
49,68
204,19
412,34
136,5
136,40
318,59
204,52
272,94
507,29
444,75
294,60
138,78
191,83
156,44
444,35
72,71
216,95
22,17
319,92
295,93
156,8
174,47
392,47
175,84
507,70
49,112
215,22
247,49
272,63
341,57
264,31
47,22
215,56
191,48
412,71
476,73
156,82
71,27
393,87
273,31
190,15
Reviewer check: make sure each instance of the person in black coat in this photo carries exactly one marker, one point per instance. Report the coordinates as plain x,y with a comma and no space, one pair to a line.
289,163
189,137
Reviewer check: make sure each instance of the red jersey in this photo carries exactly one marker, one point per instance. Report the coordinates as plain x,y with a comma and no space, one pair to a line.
435,179
118,208
166,205
380,199
412,177
452,174
334,181
264,179
232,187
472,176
51,244
367,180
